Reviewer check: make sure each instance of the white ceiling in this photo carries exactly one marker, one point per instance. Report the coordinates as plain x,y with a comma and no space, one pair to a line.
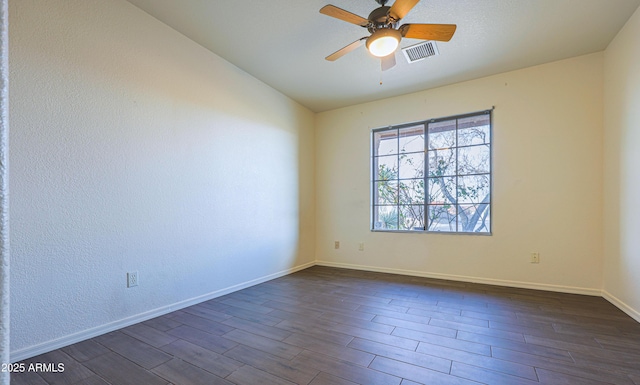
284,42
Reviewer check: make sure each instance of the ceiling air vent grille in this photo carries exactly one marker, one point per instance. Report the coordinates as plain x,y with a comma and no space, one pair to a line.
420,51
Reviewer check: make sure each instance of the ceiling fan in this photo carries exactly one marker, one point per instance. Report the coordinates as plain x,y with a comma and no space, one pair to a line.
385,36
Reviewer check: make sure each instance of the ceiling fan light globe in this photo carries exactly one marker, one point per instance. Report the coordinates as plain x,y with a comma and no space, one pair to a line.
383,46
383,42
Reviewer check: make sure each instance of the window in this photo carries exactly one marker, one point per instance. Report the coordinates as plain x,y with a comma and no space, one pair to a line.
433,176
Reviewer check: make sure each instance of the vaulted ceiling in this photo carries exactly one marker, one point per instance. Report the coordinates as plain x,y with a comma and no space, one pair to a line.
284,42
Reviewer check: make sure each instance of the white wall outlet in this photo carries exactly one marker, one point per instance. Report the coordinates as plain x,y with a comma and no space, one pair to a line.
361,246
535,257
132,279
336,244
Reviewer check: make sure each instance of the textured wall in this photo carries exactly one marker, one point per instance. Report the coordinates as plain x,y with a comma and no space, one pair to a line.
4,192
547,182
622,158
134,148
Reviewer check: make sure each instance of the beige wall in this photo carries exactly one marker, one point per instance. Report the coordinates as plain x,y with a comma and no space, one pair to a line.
547,193
135,149
622,169
4,196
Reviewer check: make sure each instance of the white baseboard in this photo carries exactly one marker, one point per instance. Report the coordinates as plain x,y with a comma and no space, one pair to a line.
48,346
631,312
462,278
70,339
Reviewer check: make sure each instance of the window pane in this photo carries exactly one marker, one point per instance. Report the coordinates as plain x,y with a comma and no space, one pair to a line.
442,218
442,190
385,218
412,139
474,160
412,165
474,218
442,134
385,142
474,121
474,135
386,193
473,189
442,162
386,167
412,217
411,191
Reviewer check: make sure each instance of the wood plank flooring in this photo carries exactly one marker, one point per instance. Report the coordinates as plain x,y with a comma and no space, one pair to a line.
334,326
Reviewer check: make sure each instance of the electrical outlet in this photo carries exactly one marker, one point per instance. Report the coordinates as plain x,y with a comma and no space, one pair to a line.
535,257
336,244
132,279
361,246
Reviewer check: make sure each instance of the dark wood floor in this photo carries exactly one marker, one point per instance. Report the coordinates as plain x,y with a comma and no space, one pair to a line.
334,326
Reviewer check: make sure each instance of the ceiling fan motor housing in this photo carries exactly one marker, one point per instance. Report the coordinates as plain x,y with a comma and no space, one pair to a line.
379,18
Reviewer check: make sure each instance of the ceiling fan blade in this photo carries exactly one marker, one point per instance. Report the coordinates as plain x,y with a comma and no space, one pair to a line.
388,61
339,13
439,32
400,8
345,50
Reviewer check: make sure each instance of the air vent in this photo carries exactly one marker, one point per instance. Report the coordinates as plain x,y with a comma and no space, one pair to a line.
420,51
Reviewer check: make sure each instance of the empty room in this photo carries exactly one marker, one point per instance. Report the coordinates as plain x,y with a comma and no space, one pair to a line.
320,192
